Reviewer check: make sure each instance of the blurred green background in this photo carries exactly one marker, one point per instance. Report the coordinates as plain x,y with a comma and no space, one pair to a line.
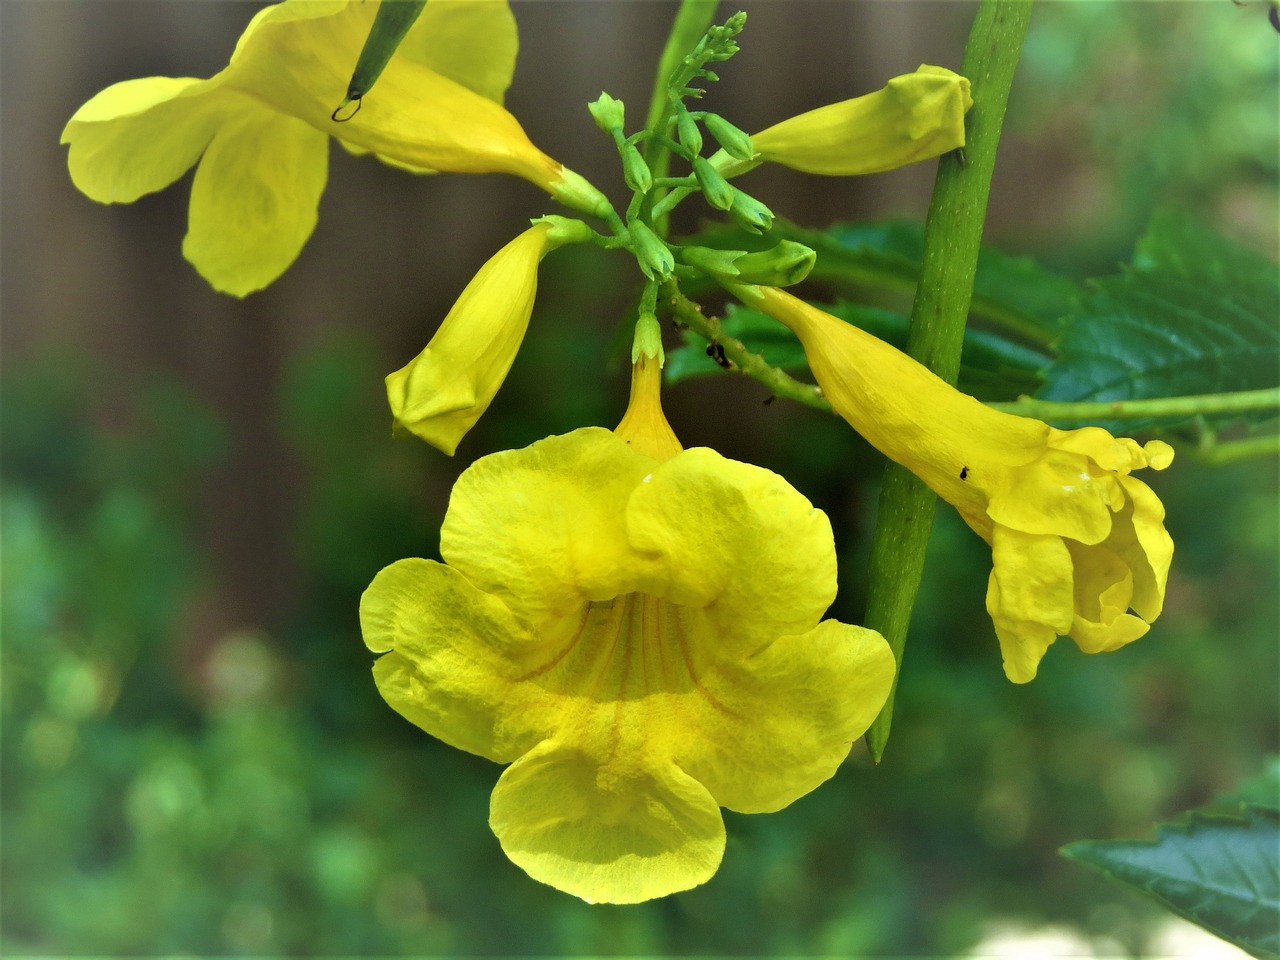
194,759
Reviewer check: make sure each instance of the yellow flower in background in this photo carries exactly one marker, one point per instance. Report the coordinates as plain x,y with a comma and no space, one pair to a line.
257,132
1076,542
913,117
441,393
636,629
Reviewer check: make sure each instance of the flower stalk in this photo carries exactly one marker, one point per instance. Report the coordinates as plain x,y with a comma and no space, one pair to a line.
953,234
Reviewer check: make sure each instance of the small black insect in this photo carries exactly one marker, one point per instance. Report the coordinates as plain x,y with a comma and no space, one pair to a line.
964,473
716,352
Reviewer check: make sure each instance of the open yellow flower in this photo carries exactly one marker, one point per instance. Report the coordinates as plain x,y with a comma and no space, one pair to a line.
1076,541
635,629
913,117
441,393
258,130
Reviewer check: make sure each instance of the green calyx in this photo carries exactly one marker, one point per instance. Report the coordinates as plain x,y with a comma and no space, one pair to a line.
785,263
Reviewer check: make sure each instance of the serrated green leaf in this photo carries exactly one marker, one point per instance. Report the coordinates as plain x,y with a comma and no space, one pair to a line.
1260,790
1220,872
1193,314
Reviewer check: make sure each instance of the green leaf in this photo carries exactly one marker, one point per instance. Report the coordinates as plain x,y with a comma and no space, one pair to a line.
1220,872
1013,293
1192,314
390,24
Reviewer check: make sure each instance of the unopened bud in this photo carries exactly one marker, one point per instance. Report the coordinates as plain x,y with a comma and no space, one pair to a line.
720,264
749,213
688,132
736,143
651,253
635,171
609,114
787,263
714,187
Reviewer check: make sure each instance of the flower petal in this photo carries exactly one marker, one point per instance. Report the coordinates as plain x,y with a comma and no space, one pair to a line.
739,538
1029,597
451,661
472,42
255,198
606,835
771,727
1104,593
1139,536
542,528
139,136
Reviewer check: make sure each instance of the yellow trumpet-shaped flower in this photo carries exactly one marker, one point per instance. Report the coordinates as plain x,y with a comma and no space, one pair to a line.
257,132
913,117
636,629
1076,541
441,393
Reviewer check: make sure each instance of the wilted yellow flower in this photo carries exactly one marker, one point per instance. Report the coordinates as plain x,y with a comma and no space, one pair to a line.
441,393
1076,542
913,117
635,630
258,130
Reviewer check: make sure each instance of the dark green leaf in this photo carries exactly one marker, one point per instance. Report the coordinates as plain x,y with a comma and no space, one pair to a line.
1193,314
1222,873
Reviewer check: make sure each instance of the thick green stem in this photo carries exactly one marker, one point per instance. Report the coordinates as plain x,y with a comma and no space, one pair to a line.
1205,404
953,234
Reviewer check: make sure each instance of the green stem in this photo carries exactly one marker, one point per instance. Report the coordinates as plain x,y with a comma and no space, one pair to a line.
953,234
691,23
1190,406
1218,454
689,314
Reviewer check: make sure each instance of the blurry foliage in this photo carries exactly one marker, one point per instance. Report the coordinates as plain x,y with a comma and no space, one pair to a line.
250,794
1165,104
256,797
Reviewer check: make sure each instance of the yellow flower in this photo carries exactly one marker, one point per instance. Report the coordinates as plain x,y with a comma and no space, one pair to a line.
914,117
258,130
1076,541
635,629
441,393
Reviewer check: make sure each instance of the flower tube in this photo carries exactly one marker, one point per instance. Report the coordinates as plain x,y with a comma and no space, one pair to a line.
636,630
257,132
1076,541
441,393
913,117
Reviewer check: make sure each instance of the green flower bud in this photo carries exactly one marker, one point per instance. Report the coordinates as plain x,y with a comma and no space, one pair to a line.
688,132
564,230
715,263
736,143
609,113
714,187
653,255
635,171
787,263
749,213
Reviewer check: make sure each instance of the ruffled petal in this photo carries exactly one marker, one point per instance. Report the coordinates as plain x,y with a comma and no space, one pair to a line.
1104,593
1061,493
607,835
768,728
738,539
1142,540
1029,597
452,657
472,42
543,527
139,136
255,198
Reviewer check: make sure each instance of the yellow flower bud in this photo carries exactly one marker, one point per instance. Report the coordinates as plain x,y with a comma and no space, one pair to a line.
443,391
914,117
